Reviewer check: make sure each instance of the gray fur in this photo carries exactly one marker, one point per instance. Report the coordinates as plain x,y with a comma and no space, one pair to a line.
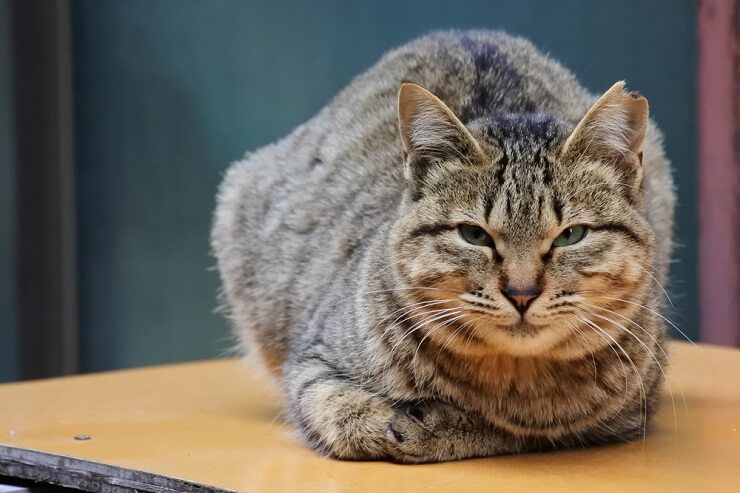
323,244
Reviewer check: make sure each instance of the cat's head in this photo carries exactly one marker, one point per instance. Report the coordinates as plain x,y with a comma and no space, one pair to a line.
523,232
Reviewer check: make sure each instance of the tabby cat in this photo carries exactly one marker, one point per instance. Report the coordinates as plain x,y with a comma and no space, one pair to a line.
459,256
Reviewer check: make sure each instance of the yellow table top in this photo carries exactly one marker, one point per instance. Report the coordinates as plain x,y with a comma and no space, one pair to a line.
213,424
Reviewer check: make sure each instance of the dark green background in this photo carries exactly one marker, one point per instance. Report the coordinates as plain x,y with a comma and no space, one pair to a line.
169,93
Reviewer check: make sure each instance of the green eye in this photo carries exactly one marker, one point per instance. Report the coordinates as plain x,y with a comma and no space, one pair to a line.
475,235
569,236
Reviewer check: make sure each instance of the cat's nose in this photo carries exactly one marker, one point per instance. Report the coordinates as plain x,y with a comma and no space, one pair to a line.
520,297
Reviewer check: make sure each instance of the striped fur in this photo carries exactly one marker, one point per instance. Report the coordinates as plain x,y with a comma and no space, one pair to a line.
389,334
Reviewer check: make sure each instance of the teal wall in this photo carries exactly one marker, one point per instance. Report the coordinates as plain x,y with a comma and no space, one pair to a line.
169,92
7,302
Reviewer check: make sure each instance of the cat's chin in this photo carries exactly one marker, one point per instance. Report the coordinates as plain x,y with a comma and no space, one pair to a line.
524,339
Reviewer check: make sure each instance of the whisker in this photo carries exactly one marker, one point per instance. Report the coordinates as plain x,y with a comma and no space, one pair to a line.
656,282
408,310
470,336
659,315
451,337
643,392
650,352
654,339
435,329
438,313
422,323
491,315
621,363
587,345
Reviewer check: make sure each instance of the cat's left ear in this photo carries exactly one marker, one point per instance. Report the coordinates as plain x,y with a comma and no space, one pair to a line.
430,132
613,130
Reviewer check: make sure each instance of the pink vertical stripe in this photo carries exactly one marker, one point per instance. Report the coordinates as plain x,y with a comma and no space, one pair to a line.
719,225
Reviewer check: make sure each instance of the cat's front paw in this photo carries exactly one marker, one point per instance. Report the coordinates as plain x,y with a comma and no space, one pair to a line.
428,432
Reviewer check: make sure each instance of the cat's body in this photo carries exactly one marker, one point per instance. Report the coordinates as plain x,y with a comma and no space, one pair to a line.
324,242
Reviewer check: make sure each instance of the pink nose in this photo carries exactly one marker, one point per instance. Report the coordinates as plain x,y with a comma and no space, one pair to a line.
521,298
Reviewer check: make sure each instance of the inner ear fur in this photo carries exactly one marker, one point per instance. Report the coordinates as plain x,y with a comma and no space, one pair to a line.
430,131
613,129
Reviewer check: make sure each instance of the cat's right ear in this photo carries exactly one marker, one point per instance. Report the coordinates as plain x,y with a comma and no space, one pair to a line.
430,132
613,130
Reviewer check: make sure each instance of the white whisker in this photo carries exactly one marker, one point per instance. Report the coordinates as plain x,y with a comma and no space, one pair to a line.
650,352
656,282
659,315
643,392
655,341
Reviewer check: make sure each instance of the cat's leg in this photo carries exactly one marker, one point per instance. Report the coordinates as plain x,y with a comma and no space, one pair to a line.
342,420
334,415
433,431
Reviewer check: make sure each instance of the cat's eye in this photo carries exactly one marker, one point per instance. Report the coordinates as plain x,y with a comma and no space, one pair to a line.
475,235
570,236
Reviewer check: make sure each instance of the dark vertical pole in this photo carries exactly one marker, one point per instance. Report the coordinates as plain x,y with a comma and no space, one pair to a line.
46,217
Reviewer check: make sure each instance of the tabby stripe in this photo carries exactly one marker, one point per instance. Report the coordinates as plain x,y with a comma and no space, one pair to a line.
431,229
328,364
488,206
502,162
313,436
310,383
620,228
448,368
532,423
557,208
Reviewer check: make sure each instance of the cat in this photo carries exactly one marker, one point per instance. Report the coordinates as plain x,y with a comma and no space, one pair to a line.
459,256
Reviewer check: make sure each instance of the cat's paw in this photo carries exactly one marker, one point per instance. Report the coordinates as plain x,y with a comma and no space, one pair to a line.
427,432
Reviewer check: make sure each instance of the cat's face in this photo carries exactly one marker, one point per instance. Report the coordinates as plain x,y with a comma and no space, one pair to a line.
520,232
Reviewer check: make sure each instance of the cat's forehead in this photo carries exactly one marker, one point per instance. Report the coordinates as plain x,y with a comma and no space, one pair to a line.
520,137
521,201
523,197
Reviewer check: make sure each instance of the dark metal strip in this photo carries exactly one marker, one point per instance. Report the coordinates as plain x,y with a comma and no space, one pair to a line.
46,216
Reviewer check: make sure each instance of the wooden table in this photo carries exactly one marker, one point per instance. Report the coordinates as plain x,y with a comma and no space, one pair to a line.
210,426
